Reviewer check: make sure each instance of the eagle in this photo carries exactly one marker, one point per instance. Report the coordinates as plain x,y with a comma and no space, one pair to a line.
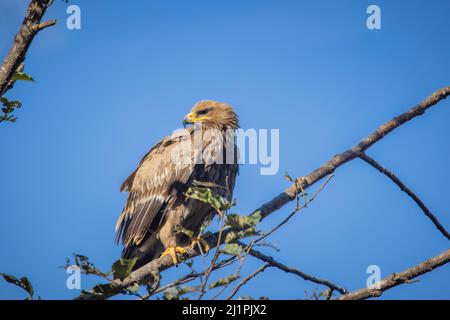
157,207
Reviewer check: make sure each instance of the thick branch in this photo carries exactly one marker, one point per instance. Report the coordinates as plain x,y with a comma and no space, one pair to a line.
31,25
399,278
144,274
161,264
342,158
408,191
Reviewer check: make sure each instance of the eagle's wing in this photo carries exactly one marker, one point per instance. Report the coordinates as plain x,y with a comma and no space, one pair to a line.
151,186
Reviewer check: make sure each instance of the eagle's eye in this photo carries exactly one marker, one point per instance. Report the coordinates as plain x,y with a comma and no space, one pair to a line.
203,112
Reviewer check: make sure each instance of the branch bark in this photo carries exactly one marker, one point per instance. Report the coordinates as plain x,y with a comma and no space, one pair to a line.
31,25
399,278
346,156
144,273
408,191
272,262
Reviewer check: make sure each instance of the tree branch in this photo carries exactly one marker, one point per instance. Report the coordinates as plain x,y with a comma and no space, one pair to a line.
408,191
45,24
31,25
144,273
399,278
189,277
272,262
247,279
342,158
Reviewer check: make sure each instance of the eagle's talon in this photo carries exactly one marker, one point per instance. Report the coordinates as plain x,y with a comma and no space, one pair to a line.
201,243
172,252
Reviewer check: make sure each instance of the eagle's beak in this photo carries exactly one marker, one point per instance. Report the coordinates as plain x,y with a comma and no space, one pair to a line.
188,119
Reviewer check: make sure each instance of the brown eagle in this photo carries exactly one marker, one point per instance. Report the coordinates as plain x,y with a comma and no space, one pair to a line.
157,207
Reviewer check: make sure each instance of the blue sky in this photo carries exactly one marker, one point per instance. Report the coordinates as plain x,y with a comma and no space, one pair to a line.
106,93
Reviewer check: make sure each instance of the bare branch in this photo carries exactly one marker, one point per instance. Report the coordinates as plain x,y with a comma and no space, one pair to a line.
161,264
31,25
408,191
340,159
243,282
272,262
399,278
45,24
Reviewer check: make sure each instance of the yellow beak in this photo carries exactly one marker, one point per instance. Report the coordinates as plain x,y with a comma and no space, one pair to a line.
190,119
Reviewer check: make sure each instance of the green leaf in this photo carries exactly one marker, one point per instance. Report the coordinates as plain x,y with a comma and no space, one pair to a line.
8,108
180,229
189,263
133,288
23,283
21,76
171,293
224,281
231,236
102,288
10,104
206,195
239,222
123,267
174,293
235,235
232,249
85,265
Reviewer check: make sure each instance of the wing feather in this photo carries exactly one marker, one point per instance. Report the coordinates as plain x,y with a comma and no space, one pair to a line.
151,186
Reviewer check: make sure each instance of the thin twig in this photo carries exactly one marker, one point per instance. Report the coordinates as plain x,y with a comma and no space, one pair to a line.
190,277
243,282
237,273
216,255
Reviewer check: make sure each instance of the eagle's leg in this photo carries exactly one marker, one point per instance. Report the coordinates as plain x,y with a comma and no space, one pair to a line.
172,252
201,243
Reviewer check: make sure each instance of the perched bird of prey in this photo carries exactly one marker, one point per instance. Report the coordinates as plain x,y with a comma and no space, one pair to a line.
157,207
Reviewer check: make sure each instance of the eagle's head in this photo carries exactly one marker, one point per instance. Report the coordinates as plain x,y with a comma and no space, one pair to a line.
212,114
